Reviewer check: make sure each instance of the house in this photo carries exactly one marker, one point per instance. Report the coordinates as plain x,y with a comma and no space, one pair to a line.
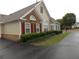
55,25
76,25
34,18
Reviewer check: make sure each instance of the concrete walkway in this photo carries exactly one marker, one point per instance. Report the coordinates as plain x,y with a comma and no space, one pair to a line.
66,49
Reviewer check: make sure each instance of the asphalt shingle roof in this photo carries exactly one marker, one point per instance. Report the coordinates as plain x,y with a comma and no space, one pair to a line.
54,21
16,15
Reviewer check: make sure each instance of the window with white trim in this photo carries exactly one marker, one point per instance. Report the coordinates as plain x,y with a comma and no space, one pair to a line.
28,27
41,9
37,27
32,17
52,27
45,28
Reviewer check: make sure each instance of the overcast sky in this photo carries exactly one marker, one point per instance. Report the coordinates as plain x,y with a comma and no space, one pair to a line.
56,8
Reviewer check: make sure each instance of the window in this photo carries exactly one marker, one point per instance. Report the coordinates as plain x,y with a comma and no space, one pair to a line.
41,9
28,27
52,27
56,27
45,28
37,27
24,17
59,27
32,17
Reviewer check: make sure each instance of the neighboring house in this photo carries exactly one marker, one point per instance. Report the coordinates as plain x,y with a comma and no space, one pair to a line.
34,18
76,25
55,25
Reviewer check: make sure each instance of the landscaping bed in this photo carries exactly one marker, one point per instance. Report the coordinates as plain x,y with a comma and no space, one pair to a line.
38,36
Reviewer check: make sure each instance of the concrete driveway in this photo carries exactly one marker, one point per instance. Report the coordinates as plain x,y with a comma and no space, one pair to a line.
66,49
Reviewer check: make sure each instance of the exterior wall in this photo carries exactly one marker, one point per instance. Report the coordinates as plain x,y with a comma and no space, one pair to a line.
77,24
55,26
12,28
11,37
31,22
52,27
58,27
44,16
22,27
11,31
36,16
0,30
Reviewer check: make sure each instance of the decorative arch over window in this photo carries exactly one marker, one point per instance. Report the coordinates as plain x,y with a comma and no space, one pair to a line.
32,17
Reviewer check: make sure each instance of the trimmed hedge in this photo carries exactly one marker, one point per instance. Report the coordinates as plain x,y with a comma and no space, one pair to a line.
33,36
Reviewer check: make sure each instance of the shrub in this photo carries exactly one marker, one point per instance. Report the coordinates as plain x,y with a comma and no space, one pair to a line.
33,36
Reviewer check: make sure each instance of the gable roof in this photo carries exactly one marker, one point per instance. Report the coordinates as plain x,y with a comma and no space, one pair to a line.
2,17
52,20
16,15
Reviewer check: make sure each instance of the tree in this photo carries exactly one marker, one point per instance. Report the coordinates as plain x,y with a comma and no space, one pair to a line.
68,20
61,23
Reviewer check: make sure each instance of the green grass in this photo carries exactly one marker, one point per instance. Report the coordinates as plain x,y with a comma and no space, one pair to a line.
52,40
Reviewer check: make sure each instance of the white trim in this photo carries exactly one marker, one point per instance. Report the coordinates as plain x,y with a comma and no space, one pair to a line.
25,27
30,10
39,27
20,27
0,31
32,17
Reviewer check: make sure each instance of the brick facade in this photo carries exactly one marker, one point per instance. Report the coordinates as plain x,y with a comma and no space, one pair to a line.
33,23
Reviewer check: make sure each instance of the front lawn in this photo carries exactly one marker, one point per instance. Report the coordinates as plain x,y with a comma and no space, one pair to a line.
51,41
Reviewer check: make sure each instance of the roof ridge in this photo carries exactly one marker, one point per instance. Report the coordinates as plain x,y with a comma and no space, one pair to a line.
16,15
23,8
32,8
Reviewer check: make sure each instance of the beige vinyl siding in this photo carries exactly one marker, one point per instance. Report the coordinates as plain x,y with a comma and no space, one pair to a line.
44,15
0,30
12,28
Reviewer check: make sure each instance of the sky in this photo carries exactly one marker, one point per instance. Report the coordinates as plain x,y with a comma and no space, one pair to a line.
57,8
